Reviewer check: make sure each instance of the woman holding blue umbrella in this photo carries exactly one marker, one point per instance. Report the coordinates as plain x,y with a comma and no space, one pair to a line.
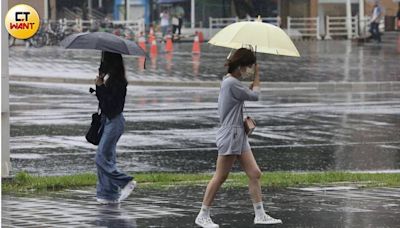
113,186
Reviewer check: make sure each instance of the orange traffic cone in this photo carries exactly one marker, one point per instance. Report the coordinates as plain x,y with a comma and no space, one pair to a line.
169,46
196,45
151,35
201,37
153,49
142,42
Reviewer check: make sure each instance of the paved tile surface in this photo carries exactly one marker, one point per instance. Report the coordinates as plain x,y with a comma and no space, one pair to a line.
321,61
173,129
301,207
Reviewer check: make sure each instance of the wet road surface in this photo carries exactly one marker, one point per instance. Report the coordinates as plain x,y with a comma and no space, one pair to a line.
344,206
321,61
173,129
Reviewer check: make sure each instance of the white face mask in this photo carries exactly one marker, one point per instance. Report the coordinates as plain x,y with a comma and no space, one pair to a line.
249,72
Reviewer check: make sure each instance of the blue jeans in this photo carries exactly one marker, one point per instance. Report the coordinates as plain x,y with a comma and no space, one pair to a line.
376,35
109,179
164,30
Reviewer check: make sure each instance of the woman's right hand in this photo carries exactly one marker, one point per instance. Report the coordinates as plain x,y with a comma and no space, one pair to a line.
99,81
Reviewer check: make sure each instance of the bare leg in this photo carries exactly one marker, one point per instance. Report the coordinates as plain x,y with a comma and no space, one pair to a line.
253,172
224,165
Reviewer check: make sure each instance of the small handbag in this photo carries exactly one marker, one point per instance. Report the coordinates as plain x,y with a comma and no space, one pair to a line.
95,131
249,124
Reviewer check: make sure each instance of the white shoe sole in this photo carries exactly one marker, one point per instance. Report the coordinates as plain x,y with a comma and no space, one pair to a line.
125,196
206,226
217,226
268,223
106,202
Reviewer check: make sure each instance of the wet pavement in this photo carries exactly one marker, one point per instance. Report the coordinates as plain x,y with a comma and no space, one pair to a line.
173,129
321,61
340,206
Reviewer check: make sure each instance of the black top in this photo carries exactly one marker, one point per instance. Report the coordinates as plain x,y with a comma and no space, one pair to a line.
111,98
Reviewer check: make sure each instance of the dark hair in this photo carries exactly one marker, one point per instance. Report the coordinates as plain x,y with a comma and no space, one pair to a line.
241,58
113,65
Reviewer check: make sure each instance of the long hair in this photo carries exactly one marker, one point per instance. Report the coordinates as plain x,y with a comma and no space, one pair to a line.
113,65
243,57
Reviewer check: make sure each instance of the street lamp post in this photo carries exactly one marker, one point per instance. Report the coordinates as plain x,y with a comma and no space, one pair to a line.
348,19
5,109
46,9
127,10
192,16
361,16
90,6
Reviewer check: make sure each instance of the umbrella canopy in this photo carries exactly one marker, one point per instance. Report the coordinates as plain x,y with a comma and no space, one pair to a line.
264,37
102,41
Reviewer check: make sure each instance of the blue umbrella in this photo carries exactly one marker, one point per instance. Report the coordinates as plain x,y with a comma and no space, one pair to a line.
102,41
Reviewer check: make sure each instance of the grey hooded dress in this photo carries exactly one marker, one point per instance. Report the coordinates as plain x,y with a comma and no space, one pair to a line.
231,138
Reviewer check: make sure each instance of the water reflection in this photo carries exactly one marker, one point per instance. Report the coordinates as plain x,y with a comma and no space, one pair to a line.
141,63
398,44
153,59
168,62
196,65
113,216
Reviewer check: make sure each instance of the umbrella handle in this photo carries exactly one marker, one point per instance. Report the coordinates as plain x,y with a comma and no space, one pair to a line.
255,52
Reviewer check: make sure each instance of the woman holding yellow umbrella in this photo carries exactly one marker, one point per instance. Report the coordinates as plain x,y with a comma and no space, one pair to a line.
232,140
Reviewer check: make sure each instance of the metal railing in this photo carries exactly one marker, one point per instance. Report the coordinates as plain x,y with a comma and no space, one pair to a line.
337,26
136,26
216,23
79,25
303,26
307,26
271,20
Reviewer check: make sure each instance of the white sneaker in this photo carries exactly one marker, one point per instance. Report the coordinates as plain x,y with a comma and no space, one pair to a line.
205,222
127,190
105,201
266,219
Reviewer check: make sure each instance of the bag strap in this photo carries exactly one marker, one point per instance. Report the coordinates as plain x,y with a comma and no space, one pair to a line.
245,109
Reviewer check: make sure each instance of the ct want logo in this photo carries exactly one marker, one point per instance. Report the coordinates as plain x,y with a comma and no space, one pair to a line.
22,21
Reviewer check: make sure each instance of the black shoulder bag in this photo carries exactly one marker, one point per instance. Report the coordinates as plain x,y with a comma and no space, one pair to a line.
96,129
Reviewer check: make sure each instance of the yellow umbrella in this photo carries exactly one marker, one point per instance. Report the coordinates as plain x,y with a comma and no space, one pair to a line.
263,37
